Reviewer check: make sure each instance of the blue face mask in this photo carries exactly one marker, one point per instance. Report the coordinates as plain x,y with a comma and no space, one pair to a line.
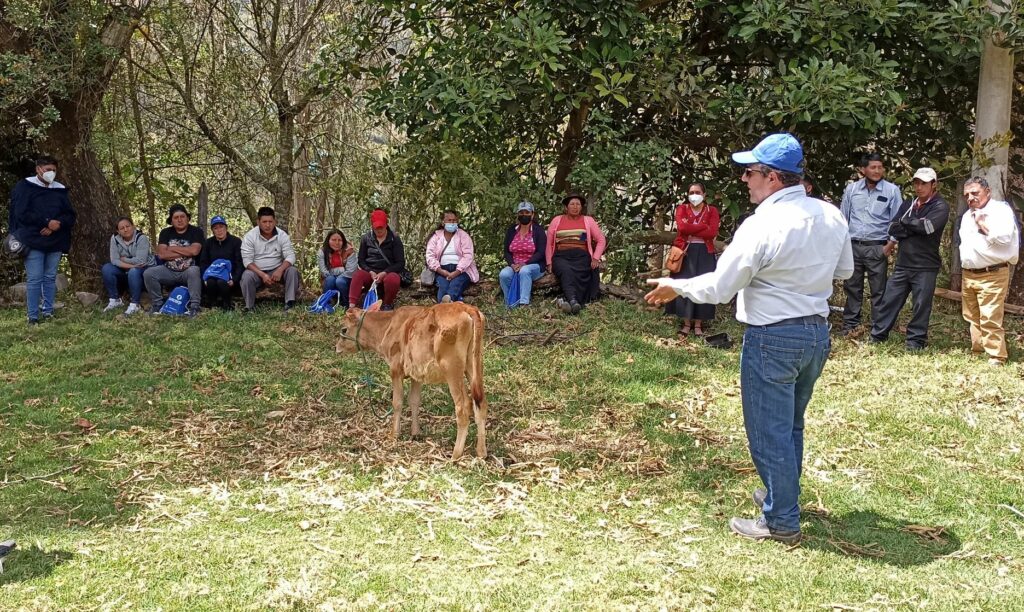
451,228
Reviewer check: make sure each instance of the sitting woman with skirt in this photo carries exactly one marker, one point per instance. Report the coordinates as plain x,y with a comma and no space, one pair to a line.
574,249
696,227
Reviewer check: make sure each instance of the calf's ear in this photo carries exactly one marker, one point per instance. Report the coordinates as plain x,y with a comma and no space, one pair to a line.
374,307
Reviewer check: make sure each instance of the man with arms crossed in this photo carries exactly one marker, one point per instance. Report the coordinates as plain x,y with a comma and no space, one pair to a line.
782,265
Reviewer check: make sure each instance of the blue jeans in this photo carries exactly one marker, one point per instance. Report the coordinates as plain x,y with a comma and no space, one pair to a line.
41,282
453,287
341,283
779,365
527,274
114,278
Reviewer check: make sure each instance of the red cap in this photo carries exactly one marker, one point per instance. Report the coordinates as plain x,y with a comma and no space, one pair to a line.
379,218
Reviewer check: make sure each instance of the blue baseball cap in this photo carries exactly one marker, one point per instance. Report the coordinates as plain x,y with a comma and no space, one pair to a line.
218,219
524,205
780,151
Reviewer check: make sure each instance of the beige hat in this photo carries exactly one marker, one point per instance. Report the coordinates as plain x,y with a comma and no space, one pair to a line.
926,175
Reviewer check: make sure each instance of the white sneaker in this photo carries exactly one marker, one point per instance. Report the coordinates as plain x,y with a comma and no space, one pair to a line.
132,309
113,305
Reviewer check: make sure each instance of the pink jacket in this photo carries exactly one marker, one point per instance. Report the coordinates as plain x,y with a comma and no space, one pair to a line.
463,246
595,238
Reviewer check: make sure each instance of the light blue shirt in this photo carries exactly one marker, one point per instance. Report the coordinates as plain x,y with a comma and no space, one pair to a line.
870,211
781,261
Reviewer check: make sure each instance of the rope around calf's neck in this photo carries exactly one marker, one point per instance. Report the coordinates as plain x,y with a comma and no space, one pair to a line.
367,378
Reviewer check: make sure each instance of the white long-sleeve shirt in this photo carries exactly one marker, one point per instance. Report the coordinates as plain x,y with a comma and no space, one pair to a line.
1001,245
267,254
782,261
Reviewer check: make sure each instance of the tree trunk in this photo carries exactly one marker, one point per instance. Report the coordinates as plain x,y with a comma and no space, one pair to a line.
203,208
572,140
661,214
69,140
94,203
992,115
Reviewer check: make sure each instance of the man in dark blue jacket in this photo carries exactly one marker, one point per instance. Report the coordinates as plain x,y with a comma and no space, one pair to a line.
42,217
918,231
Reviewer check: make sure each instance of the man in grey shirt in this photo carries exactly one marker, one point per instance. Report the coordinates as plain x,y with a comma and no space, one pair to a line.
869,206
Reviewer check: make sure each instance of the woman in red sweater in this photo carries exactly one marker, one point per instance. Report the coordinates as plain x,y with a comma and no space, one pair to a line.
696,227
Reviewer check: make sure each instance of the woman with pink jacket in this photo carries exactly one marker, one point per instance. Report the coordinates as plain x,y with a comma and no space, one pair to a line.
450,257
574,250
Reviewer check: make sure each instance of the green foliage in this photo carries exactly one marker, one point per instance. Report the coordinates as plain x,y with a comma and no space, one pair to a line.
670,89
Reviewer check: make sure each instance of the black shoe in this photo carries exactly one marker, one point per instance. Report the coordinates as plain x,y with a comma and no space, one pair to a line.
915,348
757,529
563,306
759,495
575,307
876,340
193,312
289,305
387,307
33,321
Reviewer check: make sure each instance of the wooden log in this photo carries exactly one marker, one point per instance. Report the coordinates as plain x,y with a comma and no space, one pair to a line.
956,296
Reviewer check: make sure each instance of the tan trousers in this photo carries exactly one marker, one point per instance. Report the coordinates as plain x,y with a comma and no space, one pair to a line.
984,295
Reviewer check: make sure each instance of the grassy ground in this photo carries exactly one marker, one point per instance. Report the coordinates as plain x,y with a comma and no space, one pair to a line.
235,463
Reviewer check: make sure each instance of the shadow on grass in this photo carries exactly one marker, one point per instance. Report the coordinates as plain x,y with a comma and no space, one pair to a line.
875,537
28,563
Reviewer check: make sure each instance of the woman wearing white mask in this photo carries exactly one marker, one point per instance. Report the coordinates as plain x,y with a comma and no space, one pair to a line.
42,217
450,256
696,228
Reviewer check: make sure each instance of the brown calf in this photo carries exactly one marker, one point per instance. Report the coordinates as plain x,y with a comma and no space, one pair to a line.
436,344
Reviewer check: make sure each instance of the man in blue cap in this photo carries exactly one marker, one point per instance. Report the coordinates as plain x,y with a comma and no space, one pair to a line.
782,264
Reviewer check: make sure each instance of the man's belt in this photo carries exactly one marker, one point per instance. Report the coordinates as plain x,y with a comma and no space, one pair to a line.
870,242
808,320
988,269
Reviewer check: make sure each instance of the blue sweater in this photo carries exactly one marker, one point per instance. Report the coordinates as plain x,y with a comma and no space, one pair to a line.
32,209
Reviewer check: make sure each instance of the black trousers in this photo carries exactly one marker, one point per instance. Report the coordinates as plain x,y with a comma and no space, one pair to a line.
218,292
870,261
920,285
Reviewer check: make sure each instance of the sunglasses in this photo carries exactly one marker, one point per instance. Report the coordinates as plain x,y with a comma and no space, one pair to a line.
751,170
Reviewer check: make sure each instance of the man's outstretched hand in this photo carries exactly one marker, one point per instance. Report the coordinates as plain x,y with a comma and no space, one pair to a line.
661,294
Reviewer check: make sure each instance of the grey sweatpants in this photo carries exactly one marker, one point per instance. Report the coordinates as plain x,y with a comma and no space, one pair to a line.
158,277
251,282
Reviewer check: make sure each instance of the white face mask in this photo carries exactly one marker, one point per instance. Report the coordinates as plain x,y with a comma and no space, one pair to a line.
48,176
695,199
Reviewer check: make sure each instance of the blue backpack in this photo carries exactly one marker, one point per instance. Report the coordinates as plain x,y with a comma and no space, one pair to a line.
177,302
220,268
324,305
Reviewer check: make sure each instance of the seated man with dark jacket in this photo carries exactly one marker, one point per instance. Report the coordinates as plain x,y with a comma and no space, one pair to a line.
381,259
221,246
918,231
178,247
